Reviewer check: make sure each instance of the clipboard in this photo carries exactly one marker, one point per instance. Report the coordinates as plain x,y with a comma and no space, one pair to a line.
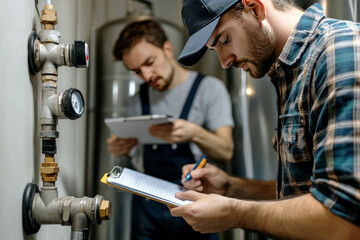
137,127
144,185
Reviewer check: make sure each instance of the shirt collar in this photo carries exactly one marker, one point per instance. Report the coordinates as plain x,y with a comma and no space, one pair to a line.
301,34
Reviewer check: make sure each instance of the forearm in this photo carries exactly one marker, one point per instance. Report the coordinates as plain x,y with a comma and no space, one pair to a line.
217,145
298,218
250,189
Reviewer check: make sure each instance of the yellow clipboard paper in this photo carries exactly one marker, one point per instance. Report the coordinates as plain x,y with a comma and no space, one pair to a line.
144,185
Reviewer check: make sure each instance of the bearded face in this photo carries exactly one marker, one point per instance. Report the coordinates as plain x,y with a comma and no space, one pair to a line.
151,64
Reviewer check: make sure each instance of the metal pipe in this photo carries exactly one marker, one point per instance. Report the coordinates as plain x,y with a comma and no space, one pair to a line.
129,7
246,128
44,207
80,227
353,10
49,209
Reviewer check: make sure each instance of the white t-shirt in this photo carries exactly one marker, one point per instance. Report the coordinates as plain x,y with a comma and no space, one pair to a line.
210,109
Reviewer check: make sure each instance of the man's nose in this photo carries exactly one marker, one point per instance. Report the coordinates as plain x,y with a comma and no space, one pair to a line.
225,59
147,74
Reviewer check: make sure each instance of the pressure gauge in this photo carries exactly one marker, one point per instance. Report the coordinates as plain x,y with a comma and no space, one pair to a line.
73,103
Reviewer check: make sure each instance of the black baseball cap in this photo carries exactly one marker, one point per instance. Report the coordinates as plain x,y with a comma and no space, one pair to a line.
200,18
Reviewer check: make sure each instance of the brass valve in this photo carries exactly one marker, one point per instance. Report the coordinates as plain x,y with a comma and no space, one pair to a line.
105,210
48,17
47,78
49,169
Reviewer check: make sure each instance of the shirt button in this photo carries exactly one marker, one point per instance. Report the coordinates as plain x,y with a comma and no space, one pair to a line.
173,146
154,146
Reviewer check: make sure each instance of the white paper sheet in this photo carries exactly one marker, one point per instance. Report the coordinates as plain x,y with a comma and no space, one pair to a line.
148,186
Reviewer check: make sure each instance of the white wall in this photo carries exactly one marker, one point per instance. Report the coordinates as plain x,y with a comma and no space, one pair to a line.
17,113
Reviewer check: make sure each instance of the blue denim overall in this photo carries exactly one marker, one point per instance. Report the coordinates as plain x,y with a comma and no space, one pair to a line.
152,220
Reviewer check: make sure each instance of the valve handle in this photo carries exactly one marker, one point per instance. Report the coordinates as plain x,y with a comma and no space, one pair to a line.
33,52
80,54
29,224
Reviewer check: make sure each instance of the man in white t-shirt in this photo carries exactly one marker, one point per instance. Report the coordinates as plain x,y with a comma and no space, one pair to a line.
202,108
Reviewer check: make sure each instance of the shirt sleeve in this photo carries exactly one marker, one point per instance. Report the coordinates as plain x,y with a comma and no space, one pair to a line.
335,119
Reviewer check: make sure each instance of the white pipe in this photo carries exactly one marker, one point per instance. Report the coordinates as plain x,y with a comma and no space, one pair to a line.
129,7
353,9
249,163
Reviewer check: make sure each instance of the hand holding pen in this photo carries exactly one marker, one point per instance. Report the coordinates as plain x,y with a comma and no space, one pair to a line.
199,164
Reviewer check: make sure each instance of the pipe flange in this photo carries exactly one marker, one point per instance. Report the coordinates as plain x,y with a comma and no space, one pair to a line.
29,224
34,53
97,201
50,36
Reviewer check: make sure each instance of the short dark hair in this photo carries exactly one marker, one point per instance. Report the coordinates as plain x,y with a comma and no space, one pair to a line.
281,5
134,32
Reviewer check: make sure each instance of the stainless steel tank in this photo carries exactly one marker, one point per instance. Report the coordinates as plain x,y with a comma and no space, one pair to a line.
345,9
254,110
111,85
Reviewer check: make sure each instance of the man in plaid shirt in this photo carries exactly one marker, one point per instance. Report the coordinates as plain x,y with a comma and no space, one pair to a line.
314,64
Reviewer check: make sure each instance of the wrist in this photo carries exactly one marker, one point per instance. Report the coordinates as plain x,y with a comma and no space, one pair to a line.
125,156
195,133
227,186
234,212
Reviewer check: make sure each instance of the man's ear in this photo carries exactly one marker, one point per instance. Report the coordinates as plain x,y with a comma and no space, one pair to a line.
257,7
168,48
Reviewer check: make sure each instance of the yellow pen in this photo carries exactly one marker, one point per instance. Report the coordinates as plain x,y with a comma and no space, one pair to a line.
199,164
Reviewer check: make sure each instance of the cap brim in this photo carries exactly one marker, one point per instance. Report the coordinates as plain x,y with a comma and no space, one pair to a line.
195,47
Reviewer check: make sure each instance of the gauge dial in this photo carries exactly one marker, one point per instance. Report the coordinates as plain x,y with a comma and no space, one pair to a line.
77,102
73,103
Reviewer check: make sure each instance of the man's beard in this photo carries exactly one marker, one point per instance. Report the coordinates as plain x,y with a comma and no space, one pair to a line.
168,80
262,51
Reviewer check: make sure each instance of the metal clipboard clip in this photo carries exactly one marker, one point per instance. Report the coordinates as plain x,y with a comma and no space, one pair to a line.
115,172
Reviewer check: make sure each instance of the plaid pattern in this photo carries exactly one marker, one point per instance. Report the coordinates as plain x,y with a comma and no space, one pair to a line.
318,85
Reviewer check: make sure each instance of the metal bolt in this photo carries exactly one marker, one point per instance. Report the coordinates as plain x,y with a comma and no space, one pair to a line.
105,210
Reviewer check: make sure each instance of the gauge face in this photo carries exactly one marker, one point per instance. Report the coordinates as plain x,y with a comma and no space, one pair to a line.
77,102
73,103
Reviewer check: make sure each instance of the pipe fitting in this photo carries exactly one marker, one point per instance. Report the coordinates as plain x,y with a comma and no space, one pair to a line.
46,54
69,104
45,207
48,17
49,168
105,210
80,227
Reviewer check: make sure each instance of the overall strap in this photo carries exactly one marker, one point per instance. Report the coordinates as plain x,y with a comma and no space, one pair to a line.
144,96
186,109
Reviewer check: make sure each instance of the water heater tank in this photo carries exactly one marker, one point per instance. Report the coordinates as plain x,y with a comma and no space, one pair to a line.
346,9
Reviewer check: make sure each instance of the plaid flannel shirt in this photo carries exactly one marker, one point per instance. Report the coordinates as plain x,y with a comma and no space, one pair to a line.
317,80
